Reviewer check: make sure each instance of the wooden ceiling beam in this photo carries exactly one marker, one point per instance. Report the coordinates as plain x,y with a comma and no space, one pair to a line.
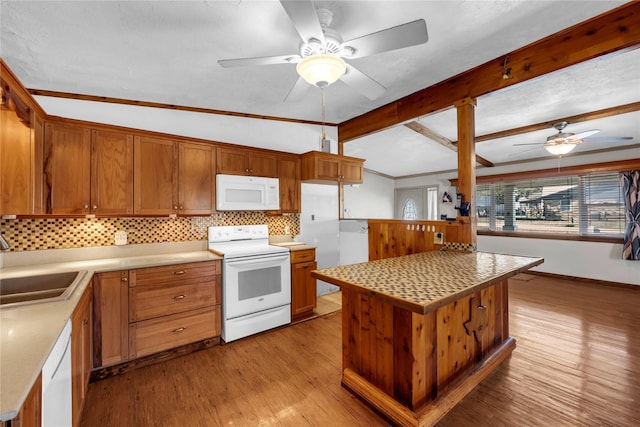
442,140
599,114
615,30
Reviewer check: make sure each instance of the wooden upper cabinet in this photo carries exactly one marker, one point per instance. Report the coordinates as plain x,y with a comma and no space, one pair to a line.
111,173
67,169
239,161
173,177
155,176
16,188
87,171
196,179
326,168
289,174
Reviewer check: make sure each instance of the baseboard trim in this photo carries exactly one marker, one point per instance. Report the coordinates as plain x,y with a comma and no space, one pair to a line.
585,280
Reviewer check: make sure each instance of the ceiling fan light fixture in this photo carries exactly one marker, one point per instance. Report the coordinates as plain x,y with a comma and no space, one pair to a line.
321,70
560,149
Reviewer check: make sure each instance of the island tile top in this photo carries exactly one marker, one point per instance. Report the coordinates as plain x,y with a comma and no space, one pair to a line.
427,280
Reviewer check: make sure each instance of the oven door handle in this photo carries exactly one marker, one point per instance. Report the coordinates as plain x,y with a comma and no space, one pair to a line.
258,259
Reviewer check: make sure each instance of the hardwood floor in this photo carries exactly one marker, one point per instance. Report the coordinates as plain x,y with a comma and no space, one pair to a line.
577,363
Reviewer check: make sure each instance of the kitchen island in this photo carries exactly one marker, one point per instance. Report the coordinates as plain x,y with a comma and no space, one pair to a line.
420,331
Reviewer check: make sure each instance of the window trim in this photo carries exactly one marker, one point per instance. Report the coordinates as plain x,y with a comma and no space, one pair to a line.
552,236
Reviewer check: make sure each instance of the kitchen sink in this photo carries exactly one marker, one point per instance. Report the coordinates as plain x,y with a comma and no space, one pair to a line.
39,288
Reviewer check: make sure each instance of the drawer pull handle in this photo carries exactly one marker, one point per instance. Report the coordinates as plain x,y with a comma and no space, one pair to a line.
179,272
124,279
179,297
179,329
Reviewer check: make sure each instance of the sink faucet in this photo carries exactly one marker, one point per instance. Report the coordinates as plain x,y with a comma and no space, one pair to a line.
3,244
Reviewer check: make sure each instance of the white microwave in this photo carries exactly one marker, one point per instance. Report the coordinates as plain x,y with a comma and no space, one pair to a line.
247,193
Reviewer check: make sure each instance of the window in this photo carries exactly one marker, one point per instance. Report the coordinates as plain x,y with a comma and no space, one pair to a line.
572,205
409,210
432,203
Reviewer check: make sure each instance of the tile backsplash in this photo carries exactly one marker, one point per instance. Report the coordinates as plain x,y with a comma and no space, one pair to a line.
60,233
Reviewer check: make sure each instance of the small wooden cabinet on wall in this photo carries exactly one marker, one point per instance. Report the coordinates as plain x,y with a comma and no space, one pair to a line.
325,168
238,161
87,171
290,185
145,311
173,177
303,286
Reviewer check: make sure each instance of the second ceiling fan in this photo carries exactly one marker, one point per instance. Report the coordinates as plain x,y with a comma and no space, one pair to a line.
322,53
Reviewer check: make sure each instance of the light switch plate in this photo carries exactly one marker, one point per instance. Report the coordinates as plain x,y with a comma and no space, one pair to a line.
121,237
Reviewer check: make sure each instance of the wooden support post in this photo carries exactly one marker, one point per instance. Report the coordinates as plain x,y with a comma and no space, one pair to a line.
467,167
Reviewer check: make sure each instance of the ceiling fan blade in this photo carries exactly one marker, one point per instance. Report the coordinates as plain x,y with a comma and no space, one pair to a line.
405,35
362,83
520,153
585,134
299,88
530,143
607,139
305,19
263,60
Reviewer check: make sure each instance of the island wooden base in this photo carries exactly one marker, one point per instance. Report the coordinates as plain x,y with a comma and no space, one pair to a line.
432,412
414,367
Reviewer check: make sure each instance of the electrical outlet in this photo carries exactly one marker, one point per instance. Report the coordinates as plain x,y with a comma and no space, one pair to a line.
438,238
287,229
121,237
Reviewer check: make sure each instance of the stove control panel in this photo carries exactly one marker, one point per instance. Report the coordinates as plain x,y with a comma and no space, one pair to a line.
230,233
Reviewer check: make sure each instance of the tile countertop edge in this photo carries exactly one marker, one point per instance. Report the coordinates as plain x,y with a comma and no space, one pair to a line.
25,344
418,307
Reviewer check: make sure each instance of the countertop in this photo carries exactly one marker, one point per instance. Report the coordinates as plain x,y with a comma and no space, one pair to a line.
28,333
425,281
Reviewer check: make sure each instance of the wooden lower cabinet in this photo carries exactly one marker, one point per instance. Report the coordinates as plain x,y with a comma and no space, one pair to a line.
30,414
110,318
303,286
81,352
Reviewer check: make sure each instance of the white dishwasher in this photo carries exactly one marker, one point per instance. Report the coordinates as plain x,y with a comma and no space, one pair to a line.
56,382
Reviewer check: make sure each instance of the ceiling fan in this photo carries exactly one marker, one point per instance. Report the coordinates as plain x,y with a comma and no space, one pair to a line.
321,59
563,142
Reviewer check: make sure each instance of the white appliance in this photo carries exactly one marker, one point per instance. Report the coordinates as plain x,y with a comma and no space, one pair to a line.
247,193
56,382
319,227
354,241
256,280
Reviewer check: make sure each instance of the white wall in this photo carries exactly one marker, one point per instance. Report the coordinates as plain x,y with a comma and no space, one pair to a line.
591,260
371,199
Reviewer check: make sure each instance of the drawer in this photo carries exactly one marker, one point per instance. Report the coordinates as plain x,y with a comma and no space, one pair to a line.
147,302
152,336
303,256
173,273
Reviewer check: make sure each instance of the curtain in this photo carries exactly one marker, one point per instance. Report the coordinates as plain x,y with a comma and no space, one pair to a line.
630,186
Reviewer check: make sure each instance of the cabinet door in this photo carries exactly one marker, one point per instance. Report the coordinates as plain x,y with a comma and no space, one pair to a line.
80,353
196,179
328,169
155,176
263,164
303,289
232,161
111,173
110,314
15,165
30,414
67,169
351,172
289,175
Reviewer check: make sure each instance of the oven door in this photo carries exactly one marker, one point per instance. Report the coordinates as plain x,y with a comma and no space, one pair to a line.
256,283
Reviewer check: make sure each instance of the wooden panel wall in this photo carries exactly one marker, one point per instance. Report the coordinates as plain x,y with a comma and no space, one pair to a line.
391,238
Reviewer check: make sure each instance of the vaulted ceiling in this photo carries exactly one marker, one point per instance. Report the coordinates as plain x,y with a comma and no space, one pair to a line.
167,53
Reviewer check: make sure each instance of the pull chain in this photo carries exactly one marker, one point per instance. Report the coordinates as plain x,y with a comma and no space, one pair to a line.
324,135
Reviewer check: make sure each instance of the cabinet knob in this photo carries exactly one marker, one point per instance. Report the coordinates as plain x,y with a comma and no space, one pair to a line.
85,207
175,208
124,279
95,207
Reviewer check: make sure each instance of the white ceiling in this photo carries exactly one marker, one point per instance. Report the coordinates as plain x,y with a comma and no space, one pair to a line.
167,52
